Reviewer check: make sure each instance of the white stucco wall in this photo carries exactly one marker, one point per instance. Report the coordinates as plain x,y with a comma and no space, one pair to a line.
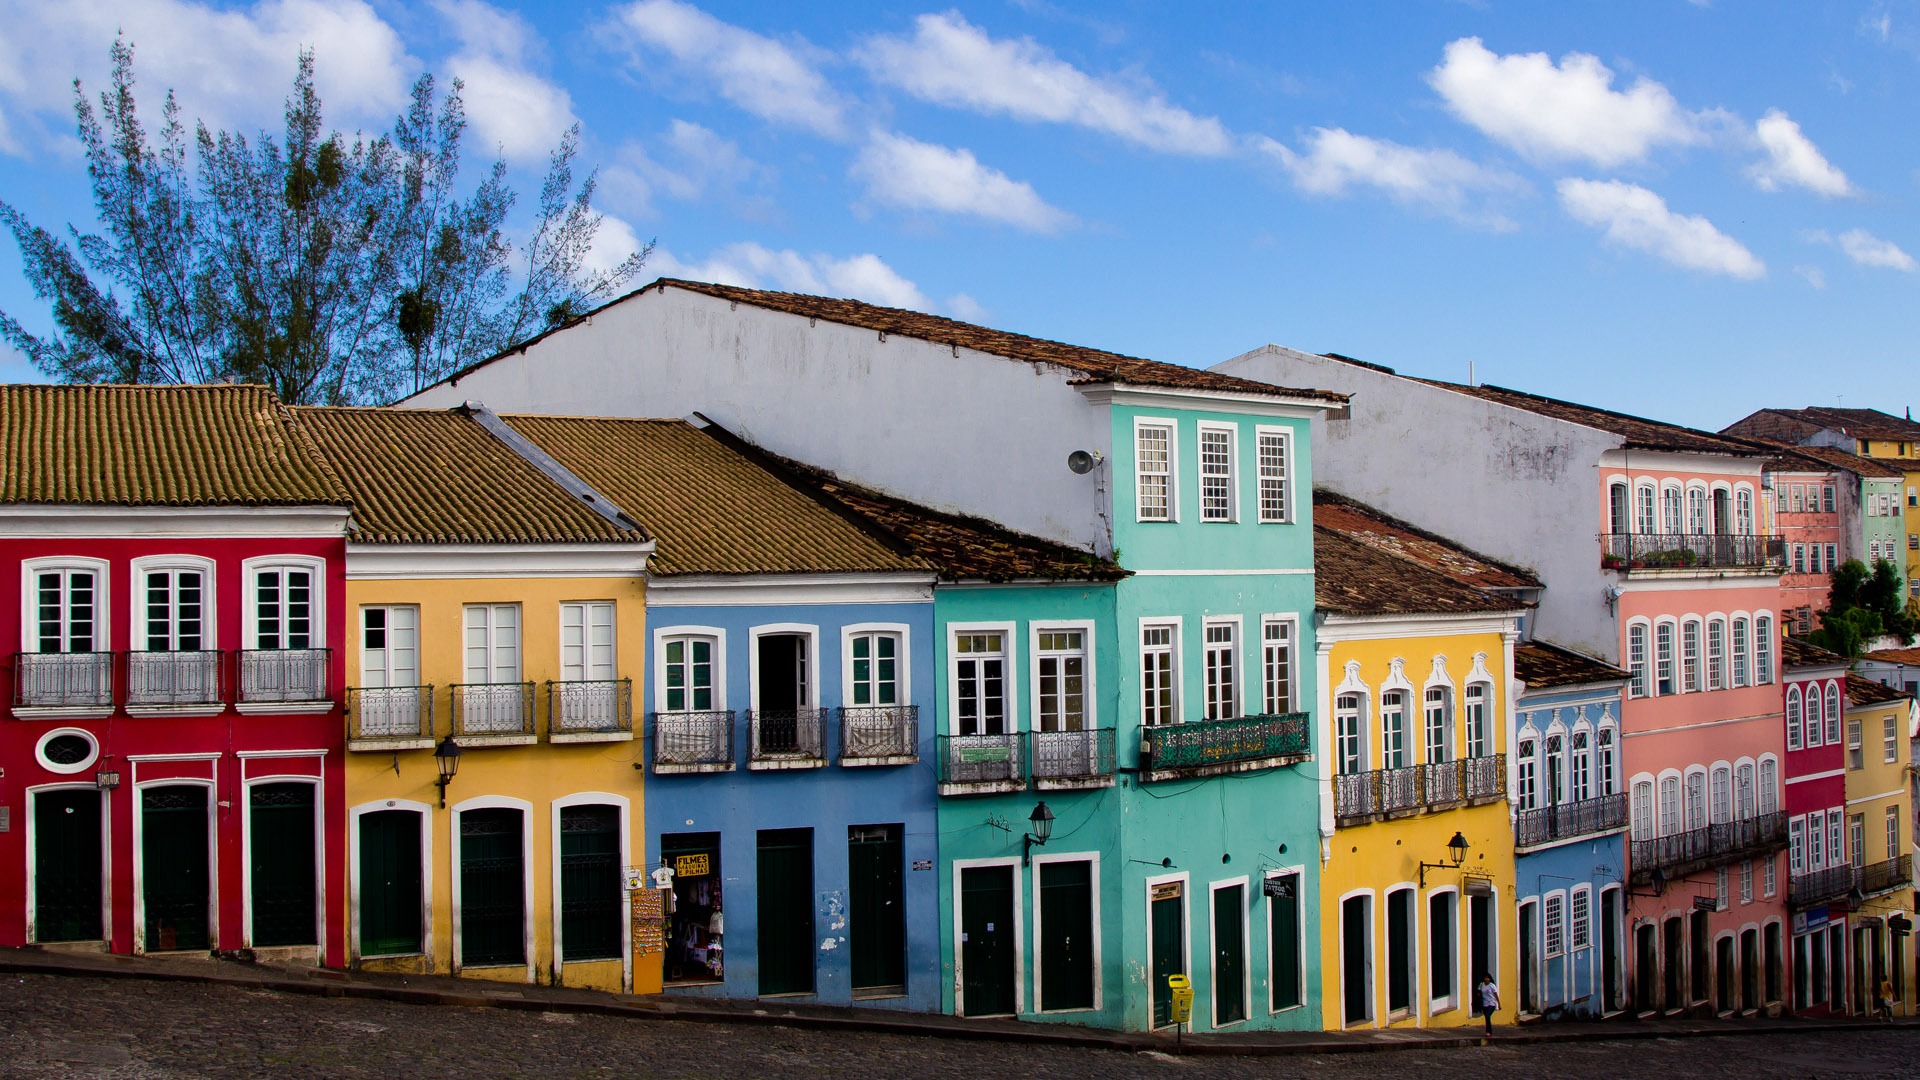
946,427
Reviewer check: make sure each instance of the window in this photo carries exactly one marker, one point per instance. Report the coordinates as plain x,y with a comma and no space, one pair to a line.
1836,823
1159,700
1739,652
1642,810
980,683
1720,888
1797,847
1393,730
1746,882
1556,918
1855,758
1690,656
1216,474
1529,775
1816,842
1696,800
1617,508
1556,769
1645,506
1276,503
1348,747
1833,557
876,669
1771,884
1763,646
1276,665
1913,539
1580,919
1222,671
1608,767
1669,805
1439,717
687,670
1743,803
1153,471
1833,713
174,607
284,607
1716,654
1894,849
586,642
390,646
1060,698
1637,659
1479,731
1798,500
66,606
1743,512
1799,558
1697,511
1826,499
493,643
1670,511
1722,795
1793,718
1769,787
1889,740
1857,838
1663,658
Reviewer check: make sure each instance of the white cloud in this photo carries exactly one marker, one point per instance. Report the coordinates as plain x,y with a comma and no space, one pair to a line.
511,108
1634,217
230,67
1337,161
1793,160
951,62
861,277
915,175
1866,249
966,308
772,80
686,162
1563,112
612,244
1814,275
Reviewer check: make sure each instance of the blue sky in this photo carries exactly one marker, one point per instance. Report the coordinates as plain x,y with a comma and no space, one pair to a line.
1682,209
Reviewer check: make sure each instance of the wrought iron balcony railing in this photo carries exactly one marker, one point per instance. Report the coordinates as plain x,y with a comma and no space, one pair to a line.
1887,876
1686,551
787,738
75,680
589,707
387,715
983,762
1822,886
1357,796
498,710
170,679
1206,747
1063,759
693,741
1565,821
284,675
1680,852
879,735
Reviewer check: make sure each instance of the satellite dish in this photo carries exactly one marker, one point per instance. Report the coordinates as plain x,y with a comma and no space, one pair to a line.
1083,461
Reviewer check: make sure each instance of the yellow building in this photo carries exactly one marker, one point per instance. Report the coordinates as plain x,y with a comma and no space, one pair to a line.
1417,856
497,642
1879,817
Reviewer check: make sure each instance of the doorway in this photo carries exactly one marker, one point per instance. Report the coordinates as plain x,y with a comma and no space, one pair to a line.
1167,923
1442,979
390,883
493,879
1229,955
66,865
785,910
1646,968
1356,959
780,693
1675,963
987,941
592,904
1612,982
1067,975
1749,970
1400,954
1529,954
1702,956
1481,941
284,893
876,911
174,867
1723,975
696,936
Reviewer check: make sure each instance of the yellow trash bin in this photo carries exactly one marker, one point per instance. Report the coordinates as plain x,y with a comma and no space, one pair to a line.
1182,1010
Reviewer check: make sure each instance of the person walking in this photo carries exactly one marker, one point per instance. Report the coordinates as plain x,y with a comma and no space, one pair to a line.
1886,1000
1489,1000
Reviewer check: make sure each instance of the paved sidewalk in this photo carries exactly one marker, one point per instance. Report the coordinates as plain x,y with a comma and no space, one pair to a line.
473,993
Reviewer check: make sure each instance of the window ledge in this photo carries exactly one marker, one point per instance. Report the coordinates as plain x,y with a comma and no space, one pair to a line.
781,763
203,708
470,740
284,708
983,787
1072,783
661,769
62,712
563,737
381,746
890,759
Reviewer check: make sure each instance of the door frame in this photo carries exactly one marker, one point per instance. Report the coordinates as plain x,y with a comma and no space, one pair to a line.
1299,873
139,836
1456,996
624,805
426,872
1245,884
1019,934
494,802
809,631
106,855
1039,916
320,860
1186,918
1372,1019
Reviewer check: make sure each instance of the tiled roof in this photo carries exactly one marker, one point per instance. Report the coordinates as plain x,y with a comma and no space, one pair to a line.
1772,425
1354,578
710,509
156,446
961,547
1795,653
1358,521
1542,665
1859,423
1639,432
1864,691
1895,656
1826,458
435,476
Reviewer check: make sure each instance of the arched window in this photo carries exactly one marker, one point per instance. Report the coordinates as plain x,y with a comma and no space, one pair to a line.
1833,713
1696,800
1529,789
1643,810
1739,652
1609,765
1669,805
1349,746
1663,658
1769,787
1479,731
1617,508
1722,795
1643,502
1743,791
1763,649
1637,659
1716,654
1393,730
1697,511
1793,718
1580,757
1813,715
1556,768
1690,656
1439,717
1670,510
1743,511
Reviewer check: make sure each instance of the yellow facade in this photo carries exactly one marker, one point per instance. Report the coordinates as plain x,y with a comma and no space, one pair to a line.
1371,863
539,774
1880,808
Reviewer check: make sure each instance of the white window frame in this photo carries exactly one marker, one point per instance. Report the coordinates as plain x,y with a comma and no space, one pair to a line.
1553,919
902,668
1247,952
29,601
1666,664
137,603
809,631
1291,625
1640,639
1889,742
1231,512
664,635
317,604
1795,714
1009,665
1283,482
586,646
1172,473
1478,714
1764,649
1092,859
1580,919
1229,653
1833,713
1741,673
1089,709
360,642
1172,649
492,645
1350,726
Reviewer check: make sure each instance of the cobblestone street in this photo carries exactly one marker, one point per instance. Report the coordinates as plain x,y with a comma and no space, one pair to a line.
120,1028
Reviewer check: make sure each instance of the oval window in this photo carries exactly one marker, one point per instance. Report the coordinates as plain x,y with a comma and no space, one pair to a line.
69,750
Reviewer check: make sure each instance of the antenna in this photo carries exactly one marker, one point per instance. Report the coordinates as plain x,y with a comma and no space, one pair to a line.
1083,461
1470,379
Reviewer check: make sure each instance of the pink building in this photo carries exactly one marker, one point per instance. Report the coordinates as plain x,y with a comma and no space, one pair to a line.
1820,854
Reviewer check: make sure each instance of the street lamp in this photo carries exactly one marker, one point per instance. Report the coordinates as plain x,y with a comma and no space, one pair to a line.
1042,820
446,757
1456,850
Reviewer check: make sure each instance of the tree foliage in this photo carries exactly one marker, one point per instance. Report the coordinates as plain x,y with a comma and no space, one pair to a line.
333,268
1861,606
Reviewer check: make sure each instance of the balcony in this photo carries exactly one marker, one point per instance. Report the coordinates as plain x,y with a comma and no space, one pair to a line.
1414,789
389,718
880,735
693,742
63,686
1691,551
590,710
1073,760
171,683
1710,845
282,681
1568,821
1218,747
1818,887
981,764
787,738
1888,876
493,714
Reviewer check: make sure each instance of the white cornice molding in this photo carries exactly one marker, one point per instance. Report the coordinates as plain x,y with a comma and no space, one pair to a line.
1341,628
716,590
56,520
1166,397
385,562
1638,460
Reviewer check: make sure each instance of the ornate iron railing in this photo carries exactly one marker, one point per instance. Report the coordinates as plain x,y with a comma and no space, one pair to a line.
792,735
173,678
1822,886
1681,851
1415,787
983,759
389,713
589,706
1484,777
1886,876
1549,823
880,732
1205,744
1073,755
693,740
493,708
1680,551
284,675
75,680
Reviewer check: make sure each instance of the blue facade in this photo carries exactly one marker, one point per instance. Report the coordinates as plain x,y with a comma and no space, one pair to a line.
779,834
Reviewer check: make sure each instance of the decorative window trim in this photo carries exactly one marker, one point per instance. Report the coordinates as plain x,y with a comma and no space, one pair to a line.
317,618
903,668
810,631
1176,670
1292,623
1173,467
138,570
1090,703
40,751
658,676
102,598
1232,432
1009,684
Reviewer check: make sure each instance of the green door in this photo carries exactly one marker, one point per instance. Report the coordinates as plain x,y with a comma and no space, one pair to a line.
1283,938
1169,926
785,885
282,853
590,895
986,940
390,898
493,898
1229,955
66,865
1066,936
876,909
173,866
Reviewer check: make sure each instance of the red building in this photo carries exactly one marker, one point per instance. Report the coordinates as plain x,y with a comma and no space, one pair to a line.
1819,860
172,754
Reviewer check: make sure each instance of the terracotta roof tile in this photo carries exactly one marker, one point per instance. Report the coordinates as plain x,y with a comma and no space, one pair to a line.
1795,653
1864,691
1354,578
1895,656
156,446
1639,432
435,476
1790,458
1543,665
1358,521
1859,423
